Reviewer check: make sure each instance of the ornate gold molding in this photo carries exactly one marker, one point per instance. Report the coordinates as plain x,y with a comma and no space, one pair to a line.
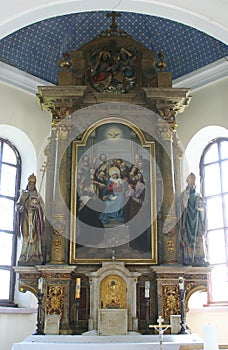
55,299
58,241
170,301
167,102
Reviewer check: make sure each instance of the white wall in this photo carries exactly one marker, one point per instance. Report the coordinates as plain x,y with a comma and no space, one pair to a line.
24,123
203,120
208,106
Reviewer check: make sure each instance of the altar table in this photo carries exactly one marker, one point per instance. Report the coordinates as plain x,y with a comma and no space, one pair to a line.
132,341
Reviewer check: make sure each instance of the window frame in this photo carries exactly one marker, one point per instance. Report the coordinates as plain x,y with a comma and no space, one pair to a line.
212,301
10,301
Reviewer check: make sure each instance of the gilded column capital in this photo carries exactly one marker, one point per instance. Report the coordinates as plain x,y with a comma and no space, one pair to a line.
166,130
62,129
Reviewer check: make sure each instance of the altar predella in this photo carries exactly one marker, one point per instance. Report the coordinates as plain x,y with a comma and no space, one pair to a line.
114,219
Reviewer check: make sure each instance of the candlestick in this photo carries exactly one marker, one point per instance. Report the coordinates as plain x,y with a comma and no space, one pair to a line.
183,329
39,330
147,297
181,283
77,288
40,284
147,289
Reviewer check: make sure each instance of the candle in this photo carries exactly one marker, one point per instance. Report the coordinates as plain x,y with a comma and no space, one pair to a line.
210,337
77,288
147,289
181,283
40,284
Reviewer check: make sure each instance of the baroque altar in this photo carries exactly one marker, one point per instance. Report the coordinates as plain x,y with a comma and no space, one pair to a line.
113,136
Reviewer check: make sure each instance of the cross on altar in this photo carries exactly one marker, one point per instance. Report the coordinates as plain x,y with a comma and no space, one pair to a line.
160,328
114,15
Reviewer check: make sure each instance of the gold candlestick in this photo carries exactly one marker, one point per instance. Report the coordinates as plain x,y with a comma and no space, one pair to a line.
77,288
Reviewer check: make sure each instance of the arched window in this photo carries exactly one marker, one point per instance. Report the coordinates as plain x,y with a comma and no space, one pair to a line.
214,175
10,176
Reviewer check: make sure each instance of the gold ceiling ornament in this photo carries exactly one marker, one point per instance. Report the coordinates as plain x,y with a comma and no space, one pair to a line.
65,63
161,64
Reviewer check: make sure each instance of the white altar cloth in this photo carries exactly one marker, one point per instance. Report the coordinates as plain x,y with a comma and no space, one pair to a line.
132,341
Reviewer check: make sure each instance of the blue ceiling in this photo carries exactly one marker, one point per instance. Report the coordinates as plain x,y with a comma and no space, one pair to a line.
37,48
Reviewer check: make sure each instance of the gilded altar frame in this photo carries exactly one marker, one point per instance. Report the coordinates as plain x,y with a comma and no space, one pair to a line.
80,253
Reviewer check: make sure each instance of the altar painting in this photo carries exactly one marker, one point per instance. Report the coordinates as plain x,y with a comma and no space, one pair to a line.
113,195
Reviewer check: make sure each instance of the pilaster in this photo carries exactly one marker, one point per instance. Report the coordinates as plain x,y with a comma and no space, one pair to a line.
60,217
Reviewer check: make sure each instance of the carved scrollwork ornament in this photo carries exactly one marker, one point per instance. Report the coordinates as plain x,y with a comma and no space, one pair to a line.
61,112
47,149
171,246
177,145
170,301
167,114
58,232
55,299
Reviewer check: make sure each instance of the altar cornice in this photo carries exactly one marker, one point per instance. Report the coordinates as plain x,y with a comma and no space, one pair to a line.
175,99
62,101
53,98
45,269
175,271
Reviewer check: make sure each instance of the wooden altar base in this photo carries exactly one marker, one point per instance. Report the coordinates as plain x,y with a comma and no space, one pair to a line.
91,341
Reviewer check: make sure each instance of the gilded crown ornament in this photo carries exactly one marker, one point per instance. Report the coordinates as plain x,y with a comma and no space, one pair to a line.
65,62
161,65
32,178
